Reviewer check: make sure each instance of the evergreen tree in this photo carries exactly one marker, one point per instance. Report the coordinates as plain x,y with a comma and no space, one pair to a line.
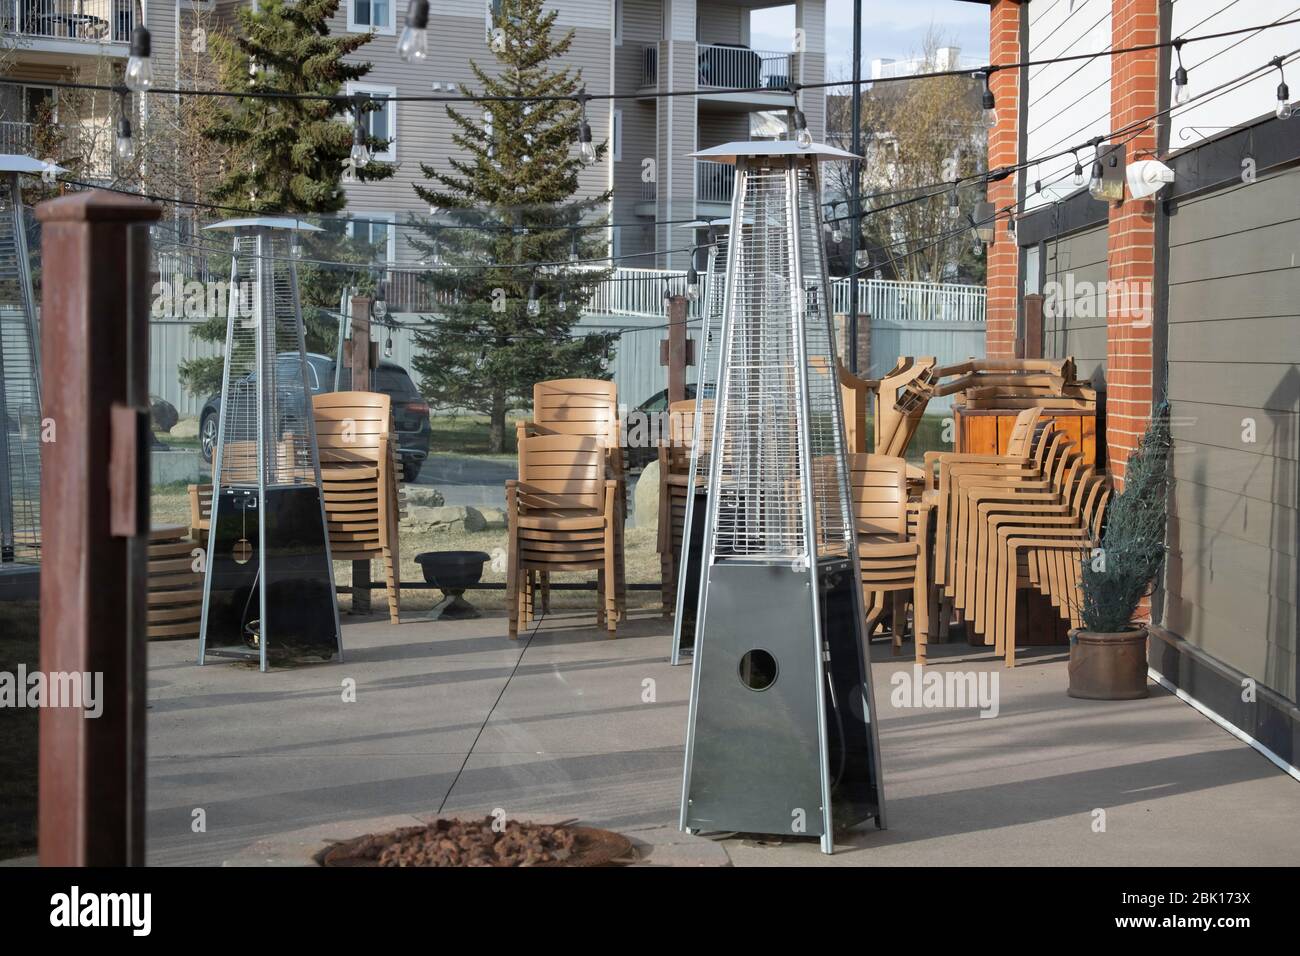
501,326
287,156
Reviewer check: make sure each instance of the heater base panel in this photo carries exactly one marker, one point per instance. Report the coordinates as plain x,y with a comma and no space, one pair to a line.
299,601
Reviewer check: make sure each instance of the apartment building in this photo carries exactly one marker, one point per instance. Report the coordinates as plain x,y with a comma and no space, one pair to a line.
634,48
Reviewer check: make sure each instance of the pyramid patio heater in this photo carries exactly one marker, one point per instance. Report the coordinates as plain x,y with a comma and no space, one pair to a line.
781,735
269,586
20,373
688,584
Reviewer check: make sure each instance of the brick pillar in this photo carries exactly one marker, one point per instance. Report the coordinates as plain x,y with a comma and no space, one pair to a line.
1003,257
1135,85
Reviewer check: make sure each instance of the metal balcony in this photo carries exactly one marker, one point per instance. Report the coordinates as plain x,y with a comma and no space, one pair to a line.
87,21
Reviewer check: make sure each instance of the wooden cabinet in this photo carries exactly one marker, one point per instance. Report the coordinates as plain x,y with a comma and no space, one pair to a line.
985,431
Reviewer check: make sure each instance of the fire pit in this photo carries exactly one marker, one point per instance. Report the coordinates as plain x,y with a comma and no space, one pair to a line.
485,842
452,572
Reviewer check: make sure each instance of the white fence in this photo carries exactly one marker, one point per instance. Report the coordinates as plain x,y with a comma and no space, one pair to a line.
906,318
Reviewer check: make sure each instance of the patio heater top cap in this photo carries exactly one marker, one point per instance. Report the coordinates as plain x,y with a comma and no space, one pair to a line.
18,163
730,152
266,222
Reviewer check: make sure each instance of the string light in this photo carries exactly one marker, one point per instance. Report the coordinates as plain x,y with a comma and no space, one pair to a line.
693,279
1095,181
988,103
802,135
139,69
1284,109
1078,171
954,203
585,147
534,305
1182,92
413,45
837,234
125,145
861,258
360,155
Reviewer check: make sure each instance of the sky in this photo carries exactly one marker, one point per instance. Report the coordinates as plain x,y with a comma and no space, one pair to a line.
891,29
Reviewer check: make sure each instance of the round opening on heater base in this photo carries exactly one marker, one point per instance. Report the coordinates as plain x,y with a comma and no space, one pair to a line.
757,669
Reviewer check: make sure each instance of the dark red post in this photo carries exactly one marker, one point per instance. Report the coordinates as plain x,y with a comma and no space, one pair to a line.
95,523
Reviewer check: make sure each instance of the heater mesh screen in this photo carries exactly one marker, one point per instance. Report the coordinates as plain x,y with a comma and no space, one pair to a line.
830,494
759,510
20,397
266,370
711,346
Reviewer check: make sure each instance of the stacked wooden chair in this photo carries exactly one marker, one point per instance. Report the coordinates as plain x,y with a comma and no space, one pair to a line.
360,479
562,514
1042,495
892,560
175,587
674,491
588,408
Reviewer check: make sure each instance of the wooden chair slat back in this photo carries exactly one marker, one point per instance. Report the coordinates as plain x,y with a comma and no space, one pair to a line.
350,426
561,472
878,489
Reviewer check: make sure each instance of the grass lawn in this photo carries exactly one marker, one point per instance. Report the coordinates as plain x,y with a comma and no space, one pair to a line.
468,435
171,506
19,644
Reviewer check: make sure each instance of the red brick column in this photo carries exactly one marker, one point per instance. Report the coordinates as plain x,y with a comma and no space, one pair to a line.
1134,91
1003,257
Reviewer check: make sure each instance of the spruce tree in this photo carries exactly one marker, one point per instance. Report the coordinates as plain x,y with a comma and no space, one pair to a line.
507,261
287,156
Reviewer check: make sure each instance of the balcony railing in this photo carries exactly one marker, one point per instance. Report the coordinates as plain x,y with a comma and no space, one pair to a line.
650,65
739,68
65,144
713,181
93,21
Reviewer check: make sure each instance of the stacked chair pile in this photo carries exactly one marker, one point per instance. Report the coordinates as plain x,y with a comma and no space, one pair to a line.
674,491
1025,518
566,510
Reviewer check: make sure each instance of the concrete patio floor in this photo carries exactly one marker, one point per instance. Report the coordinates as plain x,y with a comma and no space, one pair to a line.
454,718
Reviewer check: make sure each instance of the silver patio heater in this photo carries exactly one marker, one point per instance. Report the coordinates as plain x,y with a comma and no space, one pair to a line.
269,587
688,583
781,735
20,372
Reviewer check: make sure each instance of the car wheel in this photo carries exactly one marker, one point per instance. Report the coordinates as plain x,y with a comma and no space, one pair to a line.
208,437
410,469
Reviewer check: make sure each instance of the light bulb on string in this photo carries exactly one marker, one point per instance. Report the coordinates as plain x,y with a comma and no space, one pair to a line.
802,135
861,259
1182,92
1283,109
954,204
1078,171
139,69
586,148
124,146
988,103
1095,180
360,155
413,45
693,279
534,304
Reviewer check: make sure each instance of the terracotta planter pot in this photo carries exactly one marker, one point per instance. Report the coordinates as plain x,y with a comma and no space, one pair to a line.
1108,666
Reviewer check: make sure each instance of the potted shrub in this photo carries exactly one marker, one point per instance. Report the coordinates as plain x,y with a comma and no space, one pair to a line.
1108,655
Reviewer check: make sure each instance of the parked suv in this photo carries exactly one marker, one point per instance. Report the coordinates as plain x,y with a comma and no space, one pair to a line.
410,410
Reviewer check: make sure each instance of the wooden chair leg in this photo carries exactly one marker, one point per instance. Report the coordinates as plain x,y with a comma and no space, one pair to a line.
920,615
512,591
611,595
600,598
900,620
393,587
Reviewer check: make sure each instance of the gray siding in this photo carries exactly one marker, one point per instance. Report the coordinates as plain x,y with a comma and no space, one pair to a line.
1234,313
1075,323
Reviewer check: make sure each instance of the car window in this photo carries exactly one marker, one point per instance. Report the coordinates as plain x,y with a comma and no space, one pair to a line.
393,381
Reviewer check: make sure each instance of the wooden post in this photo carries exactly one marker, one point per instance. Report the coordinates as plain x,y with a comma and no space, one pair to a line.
95,524
676,351
1030,343
360,362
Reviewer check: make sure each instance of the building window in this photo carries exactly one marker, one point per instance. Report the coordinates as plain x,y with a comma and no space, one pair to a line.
617,146
382,122
379,232
374,15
